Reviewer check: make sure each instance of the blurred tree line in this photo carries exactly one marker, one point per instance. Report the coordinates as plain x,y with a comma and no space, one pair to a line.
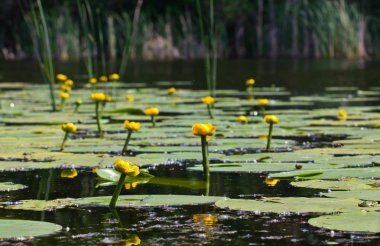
168,29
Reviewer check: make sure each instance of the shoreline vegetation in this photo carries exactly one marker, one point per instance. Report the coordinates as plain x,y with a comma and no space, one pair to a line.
147,30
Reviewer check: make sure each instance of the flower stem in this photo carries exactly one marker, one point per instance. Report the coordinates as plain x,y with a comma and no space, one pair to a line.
64,140
153,121
127,142
269,137
206,168
116,194
210,111
76,108
62,104
250,91
98,119
262,111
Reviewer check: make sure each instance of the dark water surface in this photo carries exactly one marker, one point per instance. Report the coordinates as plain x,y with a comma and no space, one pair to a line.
298,75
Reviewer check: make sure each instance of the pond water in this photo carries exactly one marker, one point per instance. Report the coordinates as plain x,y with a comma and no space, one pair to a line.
311,143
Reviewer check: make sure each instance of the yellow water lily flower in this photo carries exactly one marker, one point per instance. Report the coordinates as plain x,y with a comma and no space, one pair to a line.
78,102
103,78
271,182
203,129
171,91
342,114
127,167
131,125
208,100
242,119
262,102
250,82
69,173
65,88
69,127
69,82
64,95
114,77
92,80
151,111
98,97
61,77
130,98
271,119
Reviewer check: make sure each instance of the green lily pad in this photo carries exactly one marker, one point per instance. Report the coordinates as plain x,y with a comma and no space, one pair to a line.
26,228
9,186
358,221
41,205
345,184
368,195
291,205
147,200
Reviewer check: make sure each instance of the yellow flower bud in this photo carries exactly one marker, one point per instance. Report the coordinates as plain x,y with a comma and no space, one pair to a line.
98,97
114,77
242,119
103,78
69,82
65,88
126,167
61,77
131,125
69,127
64,95
342,114
171,91
262,102
92,80
203,129
151,111
271,119
208,100
250,82
78,102
130,98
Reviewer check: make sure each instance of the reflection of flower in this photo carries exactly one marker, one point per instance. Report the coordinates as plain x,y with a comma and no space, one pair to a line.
203,129
129,186
127,167
208,100
69,173
207,219
250,82
242,119
271,119
131,125
271,182
134,240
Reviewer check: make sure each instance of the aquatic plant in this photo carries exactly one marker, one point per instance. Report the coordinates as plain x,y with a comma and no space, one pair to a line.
262,102
77,105
209,100
204,130
271,182
249,83
152,111
131,126
64,96
342,114
67,128
103,78
171,91
242,119
271,120
98,98
130,98
61,77
125,168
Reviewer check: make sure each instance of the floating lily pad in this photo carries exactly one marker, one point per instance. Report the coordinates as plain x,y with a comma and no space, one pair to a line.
358,221
345,184
41,205
148,200
292,205
26,228
368,195
9,186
